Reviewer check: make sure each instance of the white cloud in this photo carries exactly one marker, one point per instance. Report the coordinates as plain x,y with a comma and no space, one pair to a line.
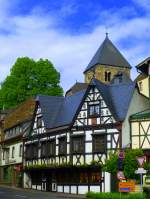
36,36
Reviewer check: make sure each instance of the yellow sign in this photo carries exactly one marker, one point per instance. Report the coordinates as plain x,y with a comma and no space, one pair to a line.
127,186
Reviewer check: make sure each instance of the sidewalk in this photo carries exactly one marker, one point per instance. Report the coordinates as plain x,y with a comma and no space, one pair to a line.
58,195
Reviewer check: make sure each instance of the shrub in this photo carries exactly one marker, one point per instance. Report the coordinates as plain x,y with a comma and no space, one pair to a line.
147,191
97,195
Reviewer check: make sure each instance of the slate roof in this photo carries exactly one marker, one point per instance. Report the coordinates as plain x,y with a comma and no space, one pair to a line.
78,86
120,77
108,54
59,111
143,66
117,97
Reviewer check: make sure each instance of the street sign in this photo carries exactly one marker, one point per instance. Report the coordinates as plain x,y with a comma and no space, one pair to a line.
141,160
127,186
121,155
141,171
120,175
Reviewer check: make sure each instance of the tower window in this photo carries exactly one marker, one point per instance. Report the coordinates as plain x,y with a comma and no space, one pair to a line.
140,86
107,76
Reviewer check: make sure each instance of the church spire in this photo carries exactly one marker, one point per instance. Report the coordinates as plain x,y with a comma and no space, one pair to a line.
107,54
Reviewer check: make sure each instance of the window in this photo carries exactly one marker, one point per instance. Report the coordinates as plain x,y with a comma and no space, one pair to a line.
20,151
3,154
78,144
99,143
107,76
62,146
94,110
51,148
28,152
39,121
31,151
140,86
107,112
84,177
95,177
13,152
43,149
34,150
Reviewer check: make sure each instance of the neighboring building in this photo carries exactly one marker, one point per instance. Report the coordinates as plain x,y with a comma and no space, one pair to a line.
140,122
15,125
106,63
143,78
72,136
3,114
78,86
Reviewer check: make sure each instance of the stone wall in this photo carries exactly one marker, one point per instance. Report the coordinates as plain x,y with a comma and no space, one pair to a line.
100,72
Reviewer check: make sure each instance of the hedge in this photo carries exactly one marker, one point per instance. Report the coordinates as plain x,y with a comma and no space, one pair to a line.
98,195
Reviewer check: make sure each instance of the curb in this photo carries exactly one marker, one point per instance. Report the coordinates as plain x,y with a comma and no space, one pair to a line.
56,194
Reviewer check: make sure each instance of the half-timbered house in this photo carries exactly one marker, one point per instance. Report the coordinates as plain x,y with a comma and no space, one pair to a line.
73,135
16,124
140,121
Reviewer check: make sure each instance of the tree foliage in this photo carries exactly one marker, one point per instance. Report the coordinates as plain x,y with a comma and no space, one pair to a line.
130,163
29,78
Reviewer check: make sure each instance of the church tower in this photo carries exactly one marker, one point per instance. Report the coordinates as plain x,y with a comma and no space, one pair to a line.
106,63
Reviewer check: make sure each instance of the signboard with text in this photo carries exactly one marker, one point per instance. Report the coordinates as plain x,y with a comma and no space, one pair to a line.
127,186
141,160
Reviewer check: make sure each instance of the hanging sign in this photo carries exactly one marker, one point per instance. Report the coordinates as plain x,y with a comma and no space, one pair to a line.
120,175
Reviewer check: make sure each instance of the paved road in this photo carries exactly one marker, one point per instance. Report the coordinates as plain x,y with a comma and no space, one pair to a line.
10,193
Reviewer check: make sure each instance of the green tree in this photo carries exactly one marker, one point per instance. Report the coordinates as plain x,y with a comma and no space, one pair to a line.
129,163
29,78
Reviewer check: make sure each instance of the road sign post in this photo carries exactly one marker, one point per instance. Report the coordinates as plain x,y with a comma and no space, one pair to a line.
141,171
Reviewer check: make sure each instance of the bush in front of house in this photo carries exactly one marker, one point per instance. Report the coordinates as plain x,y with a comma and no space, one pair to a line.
98,195
146,190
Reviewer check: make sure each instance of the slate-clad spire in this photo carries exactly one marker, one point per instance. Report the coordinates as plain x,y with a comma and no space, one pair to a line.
109,55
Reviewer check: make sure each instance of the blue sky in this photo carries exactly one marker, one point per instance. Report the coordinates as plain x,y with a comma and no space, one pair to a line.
68,32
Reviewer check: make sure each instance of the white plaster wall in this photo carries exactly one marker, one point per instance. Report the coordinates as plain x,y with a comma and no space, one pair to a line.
66,189
17,159
82,189
95,188
107,182
60,188
137,104
145,85
73,189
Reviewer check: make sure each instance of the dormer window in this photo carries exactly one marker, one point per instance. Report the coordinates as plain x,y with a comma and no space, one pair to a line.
107,76
39,121
94,110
